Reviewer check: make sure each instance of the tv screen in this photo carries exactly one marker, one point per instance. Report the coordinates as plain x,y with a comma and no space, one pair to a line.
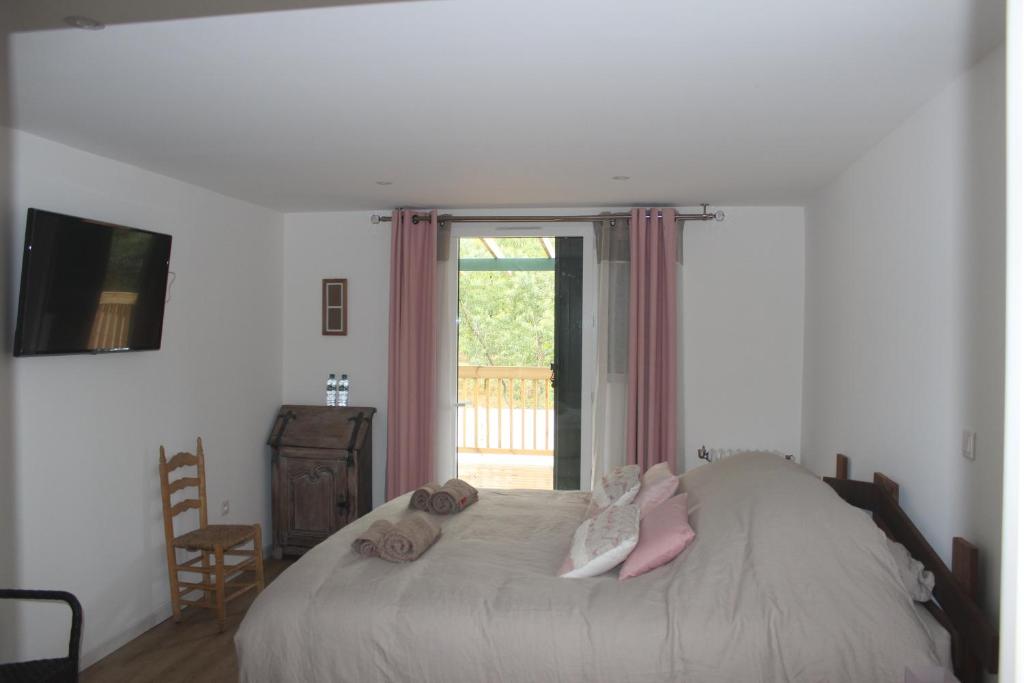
90,287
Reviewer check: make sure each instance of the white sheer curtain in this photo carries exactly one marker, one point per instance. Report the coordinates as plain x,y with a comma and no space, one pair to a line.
610,386
447,354
612,326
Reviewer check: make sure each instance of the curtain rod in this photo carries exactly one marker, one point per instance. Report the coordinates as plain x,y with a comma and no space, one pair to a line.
588,218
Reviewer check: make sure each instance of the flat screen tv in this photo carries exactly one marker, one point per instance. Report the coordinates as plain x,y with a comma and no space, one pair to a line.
90,287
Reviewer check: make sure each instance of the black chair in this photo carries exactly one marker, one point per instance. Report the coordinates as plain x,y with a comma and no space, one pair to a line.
46,670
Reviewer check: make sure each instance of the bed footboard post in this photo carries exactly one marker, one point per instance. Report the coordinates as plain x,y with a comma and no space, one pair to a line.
888,485
965,569
842,467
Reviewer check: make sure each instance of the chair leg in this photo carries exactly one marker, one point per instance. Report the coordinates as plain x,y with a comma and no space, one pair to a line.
172,580
221,612
207,595
257,548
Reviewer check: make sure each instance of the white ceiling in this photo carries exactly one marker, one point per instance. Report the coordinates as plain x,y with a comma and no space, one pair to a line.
33,15
478,103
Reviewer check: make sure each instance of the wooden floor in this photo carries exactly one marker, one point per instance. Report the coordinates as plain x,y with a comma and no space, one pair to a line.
191,650
507,471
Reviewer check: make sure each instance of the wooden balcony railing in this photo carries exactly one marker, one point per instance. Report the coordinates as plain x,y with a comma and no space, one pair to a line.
505,410
112,324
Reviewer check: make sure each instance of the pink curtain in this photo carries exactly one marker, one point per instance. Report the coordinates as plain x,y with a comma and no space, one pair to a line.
412,354
651,399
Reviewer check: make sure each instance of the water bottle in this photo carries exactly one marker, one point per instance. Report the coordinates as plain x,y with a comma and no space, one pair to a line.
343,390
332,390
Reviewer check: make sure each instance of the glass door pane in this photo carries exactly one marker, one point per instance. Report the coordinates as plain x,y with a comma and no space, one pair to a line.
505,426
519,372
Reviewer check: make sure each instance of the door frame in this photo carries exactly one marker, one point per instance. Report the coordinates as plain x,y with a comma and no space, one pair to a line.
1011,611
449,465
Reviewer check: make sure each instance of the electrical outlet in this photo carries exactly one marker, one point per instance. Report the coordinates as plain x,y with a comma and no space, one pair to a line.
967,444
225,508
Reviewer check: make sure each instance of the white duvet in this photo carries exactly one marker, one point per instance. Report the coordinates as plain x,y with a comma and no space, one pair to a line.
785,582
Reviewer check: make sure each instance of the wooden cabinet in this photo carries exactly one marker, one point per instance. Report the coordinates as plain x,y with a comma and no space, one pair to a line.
321,473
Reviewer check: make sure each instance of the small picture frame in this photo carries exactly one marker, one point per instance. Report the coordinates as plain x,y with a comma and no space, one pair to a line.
334,319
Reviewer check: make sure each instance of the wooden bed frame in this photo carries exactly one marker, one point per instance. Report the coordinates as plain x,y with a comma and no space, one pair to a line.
975,640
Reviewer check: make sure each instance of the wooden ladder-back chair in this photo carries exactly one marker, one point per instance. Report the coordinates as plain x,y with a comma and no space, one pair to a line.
218,540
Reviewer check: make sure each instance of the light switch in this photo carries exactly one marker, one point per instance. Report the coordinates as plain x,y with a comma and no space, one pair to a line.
967,444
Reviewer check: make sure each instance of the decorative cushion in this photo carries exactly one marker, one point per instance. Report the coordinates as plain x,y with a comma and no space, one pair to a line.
664,533
618,487
602,542
657,486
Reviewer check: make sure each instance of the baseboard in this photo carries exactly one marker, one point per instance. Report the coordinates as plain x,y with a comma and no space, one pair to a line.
95,654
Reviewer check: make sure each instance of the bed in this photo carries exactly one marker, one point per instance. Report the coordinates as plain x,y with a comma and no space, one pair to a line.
767,592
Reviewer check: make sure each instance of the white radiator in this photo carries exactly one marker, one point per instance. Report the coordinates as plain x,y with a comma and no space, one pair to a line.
712,454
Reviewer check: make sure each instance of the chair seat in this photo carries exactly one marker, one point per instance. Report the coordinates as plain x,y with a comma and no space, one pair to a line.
223,535
39,671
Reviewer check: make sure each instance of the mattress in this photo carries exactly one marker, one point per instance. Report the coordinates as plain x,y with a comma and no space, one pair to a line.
785,582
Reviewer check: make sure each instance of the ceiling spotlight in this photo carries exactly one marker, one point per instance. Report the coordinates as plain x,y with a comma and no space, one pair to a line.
87,23
383,182
620,177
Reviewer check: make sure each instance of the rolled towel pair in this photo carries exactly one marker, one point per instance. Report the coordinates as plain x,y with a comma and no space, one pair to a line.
455,496
368,542
421,497
403,541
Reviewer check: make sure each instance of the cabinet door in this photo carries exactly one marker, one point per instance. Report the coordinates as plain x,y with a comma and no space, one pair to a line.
317,499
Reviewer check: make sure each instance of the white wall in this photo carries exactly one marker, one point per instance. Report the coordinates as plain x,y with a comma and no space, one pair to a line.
87,428
743,327
742,313
904,315
323,245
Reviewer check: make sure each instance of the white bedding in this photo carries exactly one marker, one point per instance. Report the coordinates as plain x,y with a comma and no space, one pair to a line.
785,582
940,637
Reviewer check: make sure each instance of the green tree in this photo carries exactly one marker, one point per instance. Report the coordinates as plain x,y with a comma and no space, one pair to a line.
507,318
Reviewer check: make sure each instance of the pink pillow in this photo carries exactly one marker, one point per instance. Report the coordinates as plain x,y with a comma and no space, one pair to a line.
663,535
659,484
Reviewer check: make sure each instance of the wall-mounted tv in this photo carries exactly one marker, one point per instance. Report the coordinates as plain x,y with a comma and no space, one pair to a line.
90,287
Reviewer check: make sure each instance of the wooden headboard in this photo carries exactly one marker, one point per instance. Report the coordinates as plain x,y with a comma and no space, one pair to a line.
975,639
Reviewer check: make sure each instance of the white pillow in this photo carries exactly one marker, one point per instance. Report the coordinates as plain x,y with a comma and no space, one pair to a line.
602,542
618,487
918,581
